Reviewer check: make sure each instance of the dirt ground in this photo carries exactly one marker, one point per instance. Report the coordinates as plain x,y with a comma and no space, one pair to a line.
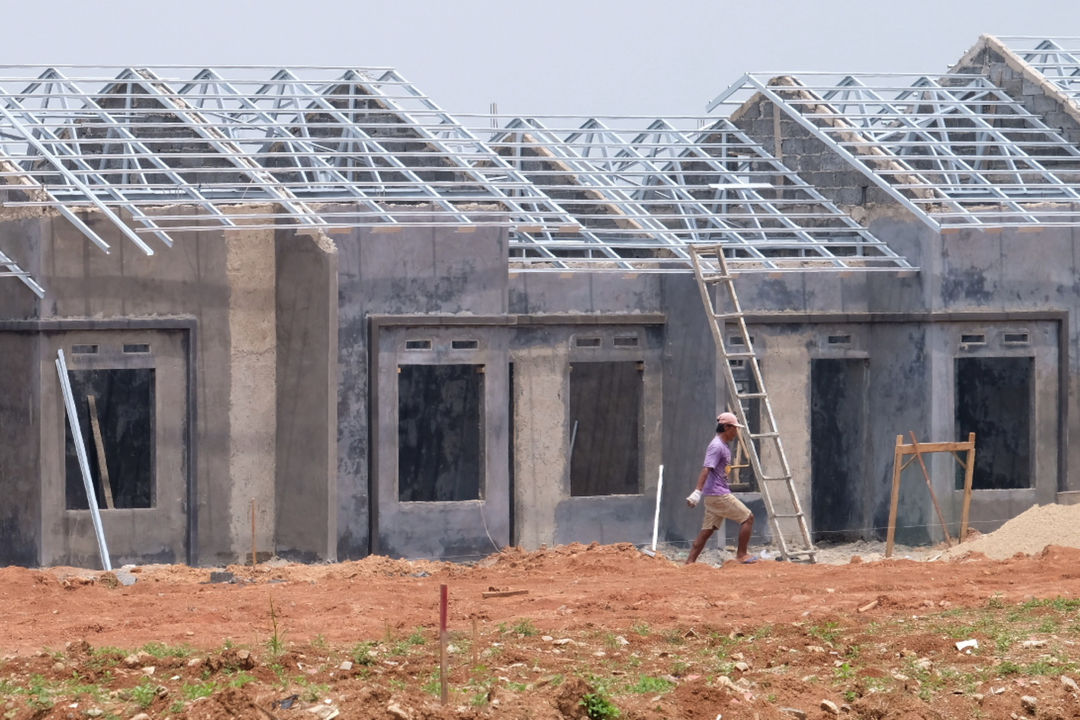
592,632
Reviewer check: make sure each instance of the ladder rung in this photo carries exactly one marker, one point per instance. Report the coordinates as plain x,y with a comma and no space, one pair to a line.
808,553
727,315
751,396
787,515
764,435
774,478
715,278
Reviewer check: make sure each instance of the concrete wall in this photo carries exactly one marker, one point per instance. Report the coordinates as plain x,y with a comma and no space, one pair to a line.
208,305
404,271
306,459
20,426
1023,83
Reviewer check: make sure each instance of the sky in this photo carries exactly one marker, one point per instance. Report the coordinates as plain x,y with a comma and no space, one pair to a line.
545,57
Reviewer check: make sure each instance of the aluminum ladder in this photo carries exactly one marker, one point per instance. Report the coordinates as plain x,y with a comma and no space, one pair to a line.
776,487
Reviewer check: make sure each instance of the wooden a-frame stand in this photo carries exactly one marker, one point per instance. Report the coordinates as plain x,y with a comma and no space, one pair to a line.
917,449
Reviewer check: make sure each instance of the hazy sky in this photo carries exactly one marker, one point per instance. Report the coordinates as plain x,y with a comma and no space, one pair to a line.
604,57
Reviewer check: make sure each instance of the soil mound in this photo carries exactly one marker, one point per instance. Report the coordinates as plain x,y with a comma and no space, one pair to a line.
1029,533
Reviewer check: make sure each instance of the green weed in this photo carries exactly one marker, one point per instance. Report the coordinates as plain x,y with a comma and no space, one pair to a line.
599,707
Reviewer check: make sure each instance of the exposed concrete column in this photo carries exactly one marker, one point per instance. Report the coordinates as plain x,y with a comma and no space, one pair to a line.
252,392
306,525
541,442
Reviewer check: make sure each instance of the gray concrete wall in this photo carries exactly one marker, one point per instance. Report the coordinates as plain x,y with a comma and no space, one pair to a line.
306,468
403,271
215,286
20,426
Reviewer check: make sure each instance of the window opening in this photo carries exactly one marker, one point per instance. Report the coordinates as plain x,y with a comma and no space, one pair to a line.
994,401
417,344
440,437
135,348
625,341
587,342
605,412
84,349
1015,338
118,433
464,344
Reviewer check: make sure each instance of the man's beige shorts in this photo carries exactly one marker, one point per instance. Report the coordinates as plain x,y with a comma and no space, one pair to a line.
723,507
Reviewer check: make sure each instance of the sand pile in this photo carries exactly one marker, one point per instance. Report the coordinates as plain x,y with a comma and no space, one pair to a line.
1029,533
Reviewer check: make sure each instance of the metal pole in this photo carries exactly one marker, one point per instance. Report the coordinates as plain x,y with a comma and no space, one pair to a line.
80,451
656,515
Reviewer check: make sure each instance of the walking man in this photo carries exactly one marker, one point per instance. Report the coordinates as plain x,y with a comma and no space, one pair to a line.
720,504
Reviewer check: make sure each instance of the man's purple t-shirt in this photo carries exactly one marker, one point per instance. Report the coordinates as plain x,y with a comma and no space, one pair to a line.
717,458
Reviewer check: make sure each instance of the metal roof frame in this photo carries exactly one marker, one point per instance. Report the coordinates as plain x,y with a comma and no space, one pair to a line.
662,188
1056,58
955,149
162,151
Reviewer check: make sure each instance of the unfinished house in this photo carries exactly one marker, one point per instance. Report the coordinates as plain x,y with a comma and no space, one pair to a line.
981,194
310,313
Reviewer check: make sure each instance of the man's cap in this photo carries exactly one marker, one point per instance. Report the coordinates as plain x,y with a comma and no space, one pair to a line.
726,418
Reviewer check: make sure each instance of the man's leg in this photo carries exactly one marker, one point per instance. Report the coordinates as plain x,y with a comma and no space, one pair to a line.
699,544
746,528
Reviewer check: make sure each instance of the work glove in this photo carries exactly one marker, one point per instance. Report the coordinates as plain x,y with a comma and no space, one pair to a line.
693,498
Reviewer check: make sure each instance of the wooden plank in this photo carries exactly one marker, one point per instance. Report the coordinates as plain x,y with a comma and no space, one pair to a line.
502,593
103,466
930,487
894,500
969,471
935,447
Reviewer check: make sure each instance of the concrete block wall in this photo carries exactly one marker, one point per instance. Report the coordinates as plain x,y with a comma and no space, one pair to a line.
1025,84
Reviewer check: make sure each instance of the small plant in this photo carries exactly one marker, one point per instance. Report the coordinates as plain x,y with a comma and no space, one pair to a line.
194,691
651,684
827,632
319,642
844,672
524,628
361,653
276,643
418,637
598,707
144,693
241,679
641,628
161,650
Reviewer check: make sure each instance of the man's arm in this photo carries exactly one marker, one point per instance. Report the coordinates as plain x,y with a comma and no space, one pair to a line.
695,497
701,478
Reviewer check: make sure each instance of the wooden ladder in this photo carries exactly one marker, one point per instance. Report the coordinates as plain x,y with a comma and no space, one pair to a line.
775,483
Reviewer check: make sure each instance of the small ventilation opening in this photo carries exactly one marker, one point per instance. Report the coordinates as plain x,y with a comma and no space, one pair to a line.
1015,338
839,339
464,344
587,342
973,339
417,344
136,348
84,349
625,341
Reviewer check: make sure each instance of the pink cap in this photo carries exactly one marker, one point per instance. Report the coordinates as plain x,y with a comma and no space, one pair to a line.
726,418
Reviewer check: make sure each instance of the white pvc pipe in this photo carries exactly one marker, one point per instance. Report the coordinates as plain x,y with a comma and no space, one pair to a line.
80,451
656,516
